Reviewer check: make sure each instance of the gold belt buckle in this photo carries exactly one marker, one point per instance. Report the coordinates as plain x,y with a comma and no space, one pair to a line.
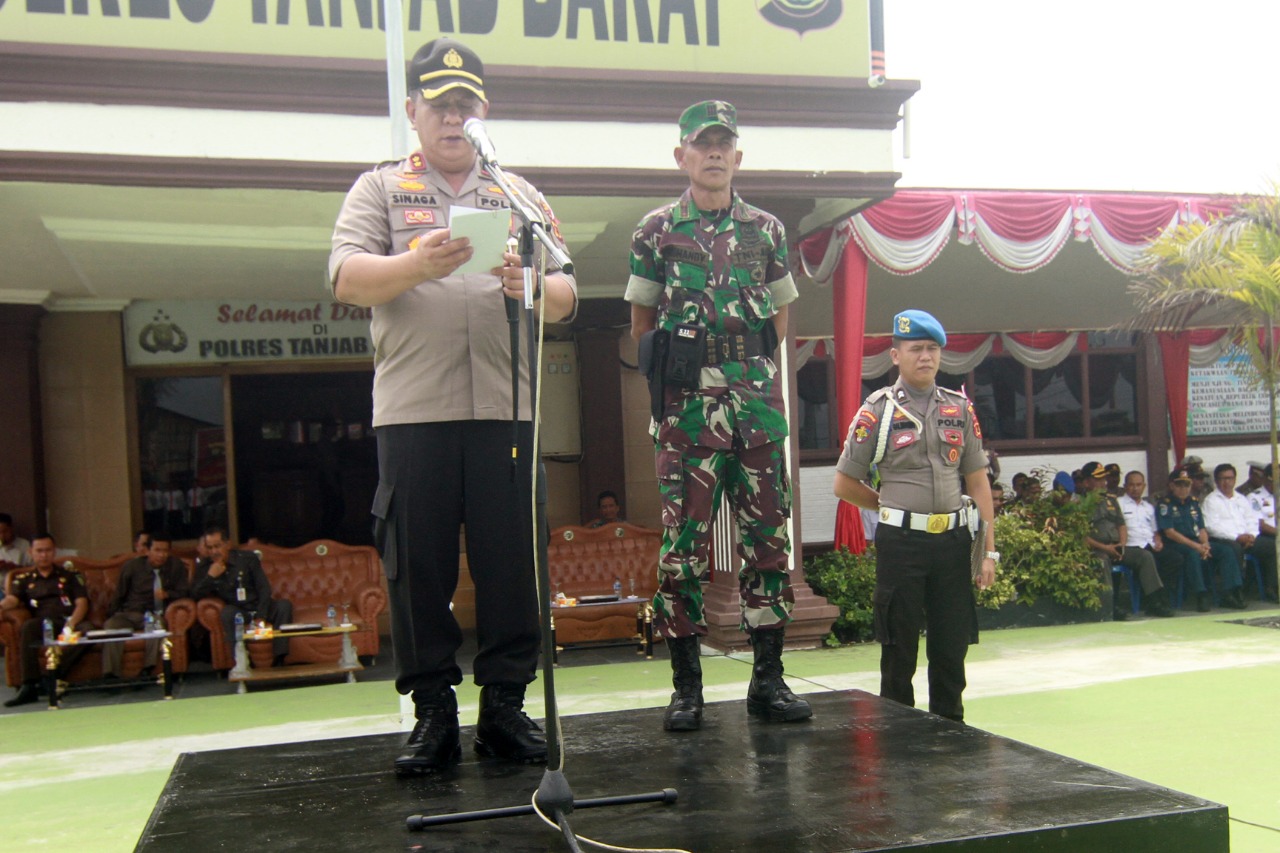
938,523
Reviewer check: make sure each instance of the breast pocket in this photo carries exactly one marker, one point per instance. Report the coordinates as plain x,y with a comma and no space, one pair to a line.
952,446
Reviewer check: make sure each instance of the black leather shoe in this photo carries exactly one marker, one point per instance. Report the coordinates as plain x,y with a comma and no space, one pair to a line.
1157,604
27,693
1234,600
504,730
433,745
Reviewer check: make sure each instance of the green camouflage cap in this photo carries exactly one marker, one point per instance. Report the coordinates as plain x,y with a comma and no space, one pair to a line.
706,114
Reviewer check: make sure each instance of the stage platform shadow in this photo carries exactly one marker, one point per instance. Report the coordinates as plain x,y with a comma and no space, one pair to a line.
864,774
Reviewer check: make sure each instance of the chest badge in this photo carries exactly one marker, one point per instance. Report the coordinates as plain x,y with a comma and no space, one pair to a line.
412,185
419,216
903,439
953,455
949,411
952,436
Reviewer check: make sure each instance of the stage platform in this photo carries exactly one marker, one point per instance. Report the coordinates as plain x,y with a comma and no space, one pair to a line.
863,774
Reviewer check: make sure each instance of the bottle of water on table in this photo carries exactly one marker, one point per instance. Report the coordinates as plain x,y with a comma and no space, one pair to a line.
617,588
239,627
48,632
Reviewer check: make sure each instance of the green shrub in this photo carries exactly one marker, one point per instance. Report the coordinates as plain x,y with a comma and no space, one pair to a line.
846,580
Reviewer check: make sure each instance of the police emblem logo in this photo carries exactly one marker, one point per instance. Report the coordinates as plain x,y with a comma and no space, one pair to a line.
860,434
951,436
953,455
949,411
452,59
412,185
899,415
419,216
904,325
801,15
904,439
884,513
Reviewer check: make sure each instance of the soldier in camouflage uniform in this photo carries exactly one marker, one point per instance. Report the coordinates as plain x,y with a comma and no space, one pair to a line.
709,274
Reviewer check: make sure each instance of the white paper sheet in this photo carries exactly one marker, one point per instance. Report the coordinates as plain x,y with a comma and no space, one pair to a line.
486,229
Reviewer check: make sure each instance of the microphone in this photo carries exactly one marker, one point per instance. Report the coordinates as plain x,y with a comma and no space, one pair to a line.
473,130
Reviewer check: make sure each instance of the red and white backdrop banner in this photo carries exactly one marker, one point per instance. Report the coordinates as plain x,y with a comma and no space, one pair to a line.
1019,232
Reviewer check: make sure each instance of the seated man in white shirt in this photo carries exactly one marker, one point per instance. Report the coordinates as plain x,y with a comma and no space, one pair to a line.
1262,502
1140,518
1229,518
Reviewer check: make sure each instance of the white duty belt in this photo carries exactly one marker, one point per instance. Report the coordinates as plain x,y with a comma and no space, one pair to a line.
935,522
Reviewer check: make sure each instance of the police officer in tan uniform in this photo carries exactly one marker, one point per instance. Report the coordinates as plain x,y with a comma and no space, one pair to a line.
926,443
442,412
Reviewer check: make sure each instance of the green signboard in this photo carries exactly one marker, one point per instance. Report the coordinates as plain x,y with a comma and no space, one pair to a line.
822,38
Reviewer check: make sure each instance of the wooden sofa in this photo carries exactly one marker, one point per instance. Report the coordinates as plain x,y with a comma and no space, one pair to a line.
583,561
100,578
312,576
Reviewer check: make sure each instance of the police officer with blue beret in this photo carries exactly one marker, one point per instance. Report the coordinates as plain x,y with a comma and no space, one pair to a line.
925,441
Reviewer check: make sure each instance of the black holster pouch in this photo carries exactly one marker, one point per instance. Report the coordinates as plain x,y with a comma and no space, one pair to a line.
651,357
769,339
686,353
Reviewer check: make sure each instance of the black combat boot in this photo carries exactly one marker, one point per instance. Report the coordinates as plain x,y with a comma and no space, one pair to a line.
504,730
768,696
684,713
1157,603
1234,599
434,743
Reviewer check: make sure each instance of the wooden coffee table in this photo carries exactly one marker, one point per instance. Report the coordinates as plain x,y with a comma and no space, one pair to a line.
347,663
53,656
642,608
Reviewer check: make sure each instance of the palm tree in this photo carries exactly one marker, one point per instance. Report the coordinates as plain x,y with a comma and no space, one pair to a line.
1227,272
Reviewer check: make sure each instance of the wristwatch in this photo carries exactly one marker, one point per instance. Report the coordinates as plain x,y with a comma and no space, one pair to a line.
993,556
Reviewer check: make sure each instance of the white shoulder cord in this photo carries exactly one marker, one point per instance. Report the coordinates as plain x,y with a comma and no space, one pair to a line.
882,437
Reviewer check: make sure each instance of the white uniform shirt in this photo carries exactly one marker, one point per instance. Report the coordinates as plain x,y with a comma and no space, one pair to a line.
1263,504
16,552
1140,519
1229,517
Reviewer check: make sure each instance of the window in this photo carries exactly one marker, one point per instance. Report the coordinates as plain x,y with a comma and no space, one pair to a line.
1093,393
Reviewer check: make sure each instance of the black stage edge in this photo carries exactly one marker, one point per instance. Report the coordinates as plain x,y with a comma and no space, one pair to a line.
864,774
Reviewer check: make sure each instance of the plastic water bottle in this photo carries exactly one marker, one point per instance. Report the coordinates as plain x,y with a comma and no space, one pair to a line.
332,614
617,588
148,622
239,627
48,632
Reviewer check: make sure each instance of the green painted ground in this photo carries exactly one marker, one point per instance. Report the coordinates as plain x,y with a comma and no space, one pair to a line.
1188,703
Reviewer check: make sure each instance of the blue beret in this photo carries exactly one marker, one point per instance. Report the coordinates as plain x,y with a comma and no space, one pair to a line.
915,325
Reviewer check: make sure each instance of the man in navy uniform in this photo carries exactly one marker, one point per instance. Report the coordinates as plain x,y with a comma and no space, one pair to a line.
1181,522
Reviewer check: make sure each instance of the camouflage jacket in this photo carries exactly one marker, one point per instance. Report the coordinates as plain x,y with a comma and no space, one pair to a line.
729,277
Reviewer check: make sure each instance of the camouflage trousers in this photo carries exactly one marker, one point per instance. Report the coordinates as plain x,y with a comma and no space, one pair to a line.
691,481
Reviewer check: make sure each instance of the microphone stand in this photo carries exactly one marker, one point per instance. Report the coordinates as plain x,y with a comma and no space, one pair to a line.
554,796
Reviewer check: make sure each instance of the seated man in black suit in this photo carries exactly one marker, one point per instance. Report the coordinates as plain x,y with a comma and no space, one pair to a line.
237,578
147,584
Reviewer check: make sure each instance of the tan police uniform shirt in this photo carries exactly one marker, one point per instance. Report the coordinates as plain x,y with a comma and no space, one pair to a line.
924,458
441,350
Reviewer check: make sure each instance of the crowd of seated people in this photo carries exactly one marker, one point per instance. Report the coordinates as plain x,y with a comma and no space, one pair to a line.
37,583
1196,542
